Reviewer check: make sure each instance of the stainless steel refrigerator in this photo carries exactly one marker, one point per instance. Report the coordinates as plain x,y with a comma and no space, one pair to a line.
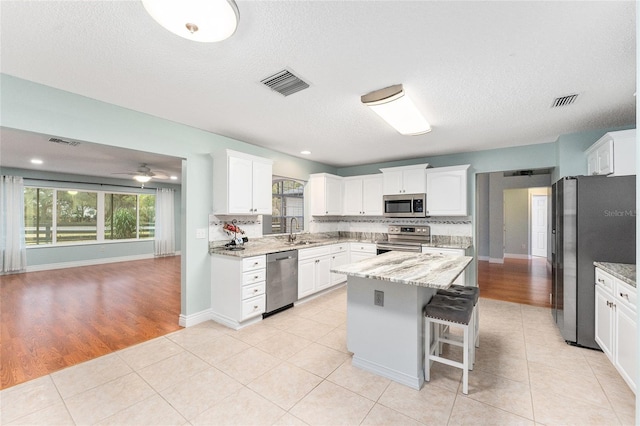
593,219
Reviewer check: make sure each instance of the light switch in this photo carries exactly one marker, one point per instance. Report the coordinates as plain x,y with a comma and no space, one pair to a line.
201,233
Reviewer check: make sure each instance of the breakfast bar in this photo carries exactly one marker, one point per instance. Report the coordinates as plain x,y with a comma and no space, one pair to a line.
386,296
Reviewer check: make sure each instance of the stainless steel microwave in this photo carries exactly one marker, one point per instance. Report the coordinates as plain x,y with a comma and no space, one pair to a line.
405,205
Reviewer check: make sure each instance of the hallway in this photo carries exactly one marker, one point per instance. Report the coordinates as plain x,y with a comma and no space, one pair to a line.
526,281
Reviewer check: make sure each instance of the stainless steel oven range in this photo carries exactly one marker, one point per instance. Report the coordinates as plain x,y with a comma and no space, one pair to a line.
405,238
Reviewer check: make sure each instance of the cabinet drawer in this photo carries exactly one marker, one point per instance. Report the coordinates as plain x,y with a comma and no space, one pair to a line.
314,252
626,294
253,290
605,280
364,248
255,262
252,277
339,248
252,307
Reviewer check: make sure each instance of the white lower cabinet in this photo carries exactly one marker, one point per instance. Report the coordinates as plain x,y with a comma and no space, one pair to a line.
339,257
314,270
237,288
359,251
462,278
616,325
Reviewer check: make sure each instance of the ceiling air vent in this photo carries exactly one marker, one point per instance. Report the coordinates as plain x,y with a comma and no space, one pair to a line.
64,142
565,100
285,83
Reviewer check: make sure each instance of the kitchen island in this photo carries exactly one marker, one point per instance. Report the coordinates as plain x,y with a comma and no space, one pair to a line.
386,296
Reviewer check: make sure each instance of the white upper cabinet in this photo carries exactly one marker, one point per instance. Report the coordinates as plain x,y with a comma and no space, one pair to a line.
325,194
613,154
363,195
447,191
404,179
241,183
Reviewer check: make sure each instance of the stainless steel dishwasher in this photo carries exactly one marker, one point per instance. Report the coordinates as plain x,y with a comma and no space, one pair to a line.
282,281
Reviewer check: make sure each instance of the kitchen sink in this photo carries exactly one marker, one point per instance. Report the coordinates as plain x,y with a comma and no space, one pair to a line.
302,243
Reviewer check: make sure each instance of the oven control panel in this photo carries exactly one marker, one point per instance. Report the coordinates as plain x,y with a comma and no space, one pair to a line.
422,230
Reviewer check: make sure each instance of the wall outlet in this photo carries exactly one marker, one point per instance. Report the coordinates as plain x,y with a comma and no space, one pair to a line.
201,233
378,298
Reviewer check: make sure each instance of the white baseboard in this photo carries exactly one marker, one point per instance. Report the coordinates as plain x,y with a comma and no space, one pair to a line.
496,260
76,263
320,293
483,258
517,256
396,376
193,319
231,323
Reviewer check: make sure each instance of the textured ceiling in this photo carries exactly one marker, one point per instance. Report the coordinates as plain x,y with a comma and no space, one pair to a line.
484,73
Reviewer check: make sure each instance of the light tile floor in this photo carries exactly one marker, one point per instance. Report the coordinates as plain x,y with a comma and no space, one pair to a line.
294,368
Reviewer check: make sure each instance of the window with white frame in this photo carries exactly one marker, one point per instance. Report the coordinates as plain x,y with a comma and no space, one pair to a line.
59,216
287,198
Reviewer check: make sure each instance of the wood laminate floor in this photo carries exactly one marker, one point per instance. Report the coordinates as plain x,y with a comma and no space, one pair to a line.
55,319
526,281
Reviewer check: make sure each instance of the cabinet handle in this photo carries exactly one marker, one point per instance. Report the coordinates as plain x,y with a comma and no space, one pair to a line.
626,296
255,307
255,277
255,290
600,280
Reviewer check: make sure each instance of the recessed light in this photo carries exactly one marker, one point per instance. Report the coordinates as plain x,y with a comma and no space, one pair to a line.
36,161
174,178
305,152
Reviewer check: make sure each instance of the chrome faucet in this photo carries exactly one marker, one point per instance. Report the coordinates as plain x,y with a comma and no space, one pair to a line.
292,237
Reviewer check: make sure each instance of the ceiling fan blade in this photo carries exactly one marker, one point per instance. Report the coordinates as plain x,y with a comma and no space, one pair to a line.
159,175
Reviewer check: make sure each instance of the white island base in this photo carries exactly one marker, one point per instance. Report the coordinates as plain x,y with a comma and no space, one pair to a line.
387,340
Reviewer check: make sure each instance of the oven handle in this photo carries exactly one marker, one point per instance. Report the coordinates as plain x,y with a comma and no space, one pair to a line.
400,247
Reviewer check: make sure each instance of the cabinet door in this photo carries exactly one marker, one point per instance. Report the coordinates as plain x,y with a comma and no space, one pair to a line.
352,197
392,182
306,277
338,259
625,344
240,185
323,273
592,163
604,321
372,196
333,196
605,158
447,192
414,181
262,178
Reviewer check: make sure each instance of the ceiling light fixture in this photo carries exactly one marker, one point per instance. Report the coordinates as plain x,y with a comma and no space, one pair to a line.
174,178
305,152
142,178
197,20
396,108
36,161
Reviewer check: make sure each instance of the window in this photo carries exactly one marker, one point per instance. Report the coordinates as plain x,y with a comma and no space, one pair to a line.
81,216
287,203
76,216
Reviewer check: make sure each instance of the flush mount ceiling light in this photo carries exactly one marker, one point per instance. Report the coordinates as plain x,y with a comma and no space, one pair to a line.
36,161
305,152
142,178
197,20
396,108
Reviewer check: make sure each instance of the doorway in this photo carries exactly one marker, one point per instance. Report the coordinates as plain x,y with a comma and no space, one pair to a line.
512,235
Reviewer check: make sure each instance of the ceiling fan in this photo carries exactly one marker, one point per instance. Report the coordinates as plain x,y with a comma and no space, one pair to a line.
144,174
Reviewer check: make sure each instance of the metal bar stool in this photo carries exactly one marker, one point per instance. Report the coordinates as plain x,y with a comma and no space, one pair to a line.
451,312
473,294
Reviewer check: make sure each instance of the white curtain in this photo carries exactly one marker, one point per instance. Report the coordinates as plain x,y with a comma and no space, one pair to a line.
12,240
165,241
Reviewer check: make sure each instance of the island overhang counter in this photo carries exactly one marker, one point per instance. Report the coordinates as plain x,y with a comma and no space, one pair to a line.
386,296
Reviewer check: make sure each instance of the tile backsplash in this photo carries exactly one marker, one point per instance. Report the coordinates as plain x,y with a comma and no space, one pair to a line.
252,225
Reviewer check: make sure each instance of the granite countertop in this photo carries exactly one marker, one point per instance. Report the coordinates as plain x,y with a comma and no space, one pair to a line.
623,271
423,270
266,245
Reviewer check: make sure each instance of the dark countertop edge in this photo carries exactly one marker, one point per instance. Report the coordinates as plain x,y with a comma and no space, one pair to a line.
615,270
276,249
